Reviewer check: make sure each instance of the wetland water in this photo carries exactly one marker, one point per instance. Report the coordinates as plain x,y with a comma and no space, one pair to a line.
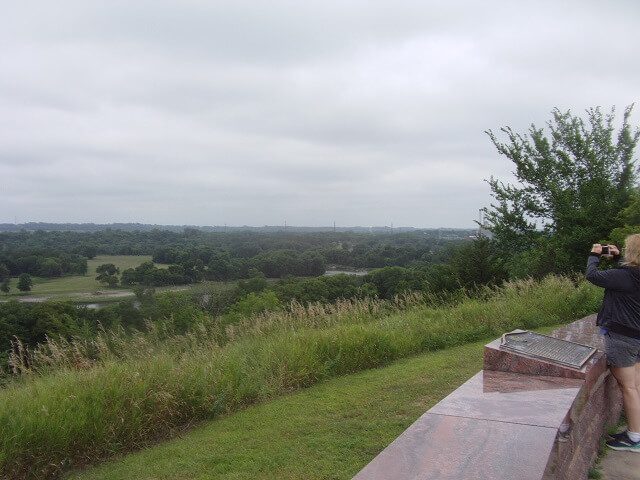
358,273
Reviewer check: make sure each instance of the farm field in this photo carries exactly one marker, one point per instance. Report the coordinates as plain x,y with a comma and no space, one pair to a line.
79,287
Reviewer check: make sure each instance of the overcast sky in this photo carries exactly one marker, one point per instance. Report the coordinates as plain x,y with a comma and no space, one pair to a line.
243,112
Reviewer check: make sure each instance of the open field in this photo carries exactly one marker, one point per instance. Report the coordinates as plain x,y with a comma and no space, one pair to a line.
80,283
79,287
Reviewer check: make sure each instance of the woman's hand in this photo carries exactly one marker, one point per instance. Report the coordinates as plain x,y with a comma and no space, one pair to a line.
613,250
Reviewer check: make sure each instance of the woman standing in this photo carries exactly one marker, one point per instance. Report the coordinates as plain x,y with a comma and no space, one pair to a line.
619,321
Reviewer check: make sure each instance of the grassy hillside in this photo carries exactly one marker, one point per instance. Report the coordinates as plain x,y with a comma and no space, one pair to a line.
329,431
90,400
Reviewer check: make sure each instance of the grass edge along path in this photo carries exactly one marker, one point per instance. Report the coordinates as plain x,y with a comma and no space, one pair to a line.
328,431
70,417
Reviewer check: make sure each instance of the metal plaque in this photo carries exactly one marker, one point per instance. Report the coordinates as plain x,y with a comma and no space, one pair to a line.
547,348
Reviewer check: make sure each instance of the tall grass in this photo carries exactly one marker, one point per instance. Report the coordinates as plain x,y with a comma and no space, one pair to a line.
84,401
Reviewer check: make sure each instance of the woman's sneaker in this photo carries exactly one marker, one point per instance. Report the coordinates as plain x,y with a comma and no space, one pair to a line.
623,442
617,436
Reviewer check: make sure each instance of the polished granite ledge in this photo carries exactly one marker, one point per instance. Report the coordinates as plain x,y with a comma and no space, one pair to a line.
503,424
499,397
446,448
582,331
482,431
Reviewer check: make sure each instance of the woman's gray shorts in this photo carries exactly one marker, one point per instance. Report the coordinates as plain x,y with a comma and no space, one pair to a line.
622,351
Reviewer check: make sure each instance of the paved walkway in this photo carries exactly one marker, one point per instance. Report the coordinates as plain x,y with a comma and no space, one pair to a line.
620,465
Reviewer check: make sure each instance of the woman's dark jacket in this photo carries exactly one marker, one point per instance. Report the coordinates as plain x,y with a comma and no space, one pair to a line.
620,310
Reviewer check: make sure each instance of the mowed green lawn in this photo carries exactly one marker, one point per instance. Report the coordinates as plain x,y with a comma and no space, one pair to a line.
326,432
69,285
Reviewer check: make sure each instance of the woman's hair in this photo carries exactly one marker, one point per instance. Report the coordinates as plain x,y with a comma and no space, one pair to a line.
632,250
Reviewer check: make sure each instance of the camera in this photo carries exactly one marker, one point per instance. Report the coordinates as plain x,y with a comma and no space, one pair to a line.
605,250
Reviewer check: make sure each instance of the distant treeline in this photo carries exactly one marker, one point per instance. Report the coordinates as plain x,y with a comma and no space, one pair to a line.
143,227
42,262
223,256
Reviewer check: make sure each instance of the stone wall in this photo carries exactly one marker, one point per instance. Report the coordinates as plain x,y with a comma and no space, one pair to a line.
597,406
506,421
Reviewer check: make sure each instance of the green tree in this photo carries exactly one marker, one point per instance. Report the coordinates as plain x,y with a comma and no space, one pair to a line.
571,185
108,274
108,269
630,219
129,277
4,272
50,267
392,281
4,286
89,251
110,280
24,282
253,304
255,284
631,214
477,263
220,266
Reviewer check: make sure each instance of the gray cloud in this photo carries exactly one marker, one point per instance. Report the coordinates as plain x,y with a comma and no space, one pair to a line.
247,112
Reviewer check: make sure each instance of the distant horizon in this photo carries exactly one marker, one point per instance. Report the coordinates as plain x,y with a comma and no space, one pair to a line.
3,226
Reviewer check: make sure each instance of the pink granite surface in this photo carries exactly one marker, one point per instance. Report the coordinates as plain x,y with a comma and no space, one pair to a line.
482,431
582,331
503,424
441,447
499,396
